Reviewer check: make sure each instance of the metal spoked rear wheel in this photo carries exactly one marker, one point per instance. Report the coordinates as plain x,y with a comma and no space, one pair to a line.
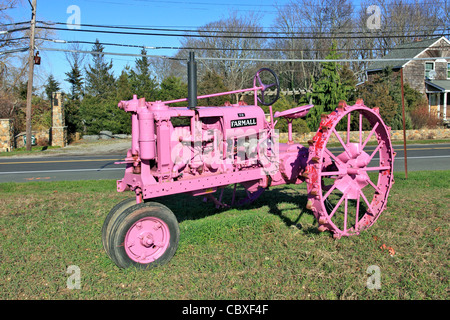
348,186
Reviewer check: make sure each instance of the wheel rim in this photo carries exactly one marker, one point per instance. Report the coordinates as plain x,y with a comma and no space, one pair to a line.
344,193
147,240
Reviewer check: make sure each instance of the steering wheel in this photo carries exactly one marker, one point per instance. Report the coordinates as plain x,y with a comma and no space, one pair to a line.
264,87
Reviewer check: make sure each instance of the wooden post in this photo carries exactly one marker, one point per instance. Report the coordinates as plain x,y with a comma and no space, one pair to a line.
30,74
404,129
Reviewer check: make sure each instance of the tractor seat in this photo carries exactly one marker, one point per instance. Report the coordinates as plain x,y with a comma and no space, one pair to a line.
294,113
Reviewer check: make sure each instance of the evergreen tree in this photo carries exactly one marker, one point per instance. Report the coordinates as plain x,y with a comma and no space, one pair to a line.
51,86
173,88
286,103
75,78
72,106
143,83
327,90
103,115
124,89
210,83
100,81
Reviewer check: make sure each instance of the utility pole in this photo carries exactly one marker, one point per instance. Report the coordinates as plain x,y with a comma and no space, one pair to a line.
404,130
30,73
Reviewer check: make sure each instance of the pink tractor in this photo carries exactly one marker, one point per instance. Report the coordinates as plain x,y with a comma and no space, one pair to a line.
202,150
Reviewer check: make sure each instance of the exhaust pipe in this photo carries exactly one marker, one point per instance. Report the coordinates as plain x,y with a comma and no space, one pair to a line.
192,81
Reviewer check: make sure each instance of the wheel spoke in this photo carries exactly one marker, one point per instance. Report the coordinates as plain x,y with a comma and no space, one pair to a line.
342,142
370,211
329,192
328,152
373,185
331,173
360,129
345,213
337,205
375,168
370,135
375,151
357,208
348,128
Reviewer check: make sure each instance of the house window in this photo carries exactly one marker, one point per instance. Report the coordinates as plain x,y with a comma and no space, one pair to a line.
448,70
428,67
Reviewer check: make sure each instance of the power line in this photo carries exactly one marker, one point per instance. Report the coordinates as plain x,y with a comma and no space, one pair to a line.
14,39
315,37
14,24
110,53
317,60
379,32
238,59
14,30
215,48
14,50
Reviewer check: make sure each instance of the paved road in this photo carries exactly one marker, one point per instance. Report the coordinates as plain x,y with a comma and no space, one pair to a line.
61,168
420,157
423,157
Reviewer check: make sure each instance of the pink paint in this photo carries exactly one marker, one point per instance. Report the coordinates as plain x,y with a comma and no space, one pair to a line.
235,144
147,240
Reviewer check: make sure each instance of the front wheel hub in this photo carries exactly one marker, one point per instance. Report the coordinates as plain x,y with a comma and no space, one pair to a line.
147,240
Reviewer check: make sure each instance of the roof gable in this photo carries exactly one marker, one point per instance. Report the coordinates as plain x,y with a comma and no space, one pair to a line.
403,53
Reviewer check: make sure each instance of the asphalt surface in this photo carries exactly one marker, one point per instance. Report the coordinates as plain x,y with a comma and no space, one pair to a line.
96,167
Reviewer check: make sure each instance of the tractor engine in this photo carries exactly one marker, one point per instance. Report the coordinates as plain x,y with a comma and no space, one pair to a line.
174,144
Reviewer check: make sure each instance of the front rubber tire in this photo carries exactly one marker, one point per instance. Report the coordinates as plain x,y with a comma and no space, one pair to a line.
145,235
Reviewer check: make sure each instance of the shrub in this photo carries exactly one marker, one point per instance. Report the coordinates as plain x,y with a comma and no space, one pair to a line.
421,118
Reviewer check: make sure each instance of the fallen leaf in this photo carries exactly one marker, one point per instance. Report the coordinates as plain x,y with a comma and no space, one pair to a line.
391,251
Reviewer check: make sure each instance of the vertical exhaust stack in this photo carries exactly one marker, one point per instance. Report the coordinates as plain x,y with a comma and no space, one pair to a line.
192,81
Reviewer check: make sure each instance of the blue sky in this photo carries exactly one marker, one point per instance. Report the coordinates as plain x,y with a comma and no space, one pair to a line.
149,13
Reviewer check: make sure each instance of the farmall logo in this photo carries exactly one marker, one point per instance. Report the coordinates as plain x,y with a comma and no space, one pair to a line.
243,123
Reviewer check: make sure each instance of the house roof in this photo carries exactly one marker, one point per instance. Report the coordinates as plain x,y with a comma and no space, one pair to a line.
441,85
404,53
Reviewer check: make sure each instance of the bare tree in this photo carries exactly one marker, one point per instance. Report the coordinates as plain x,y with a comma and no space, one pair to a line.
230,42
13,44
165,67
13,65
310,28
402,22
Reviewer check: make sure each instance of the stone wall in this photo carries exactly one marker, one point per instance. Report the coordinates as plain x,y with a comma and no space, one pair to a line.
411,135
6,135
39,135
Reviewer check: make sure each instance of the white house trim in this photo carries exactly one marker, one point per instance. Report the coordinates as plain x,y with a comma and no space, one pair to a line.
427,49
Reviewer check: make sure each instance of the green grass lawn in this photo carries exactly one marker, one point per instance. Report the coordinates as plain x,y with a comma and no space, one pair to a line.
268,250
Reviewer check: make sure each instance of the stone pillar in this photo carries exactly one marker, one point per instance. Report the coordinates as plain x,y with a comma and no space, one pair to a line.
6,135
58,130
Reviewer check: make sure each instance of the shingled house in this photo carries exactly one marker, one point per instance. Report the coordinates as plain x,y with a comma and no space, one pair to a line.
429,73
